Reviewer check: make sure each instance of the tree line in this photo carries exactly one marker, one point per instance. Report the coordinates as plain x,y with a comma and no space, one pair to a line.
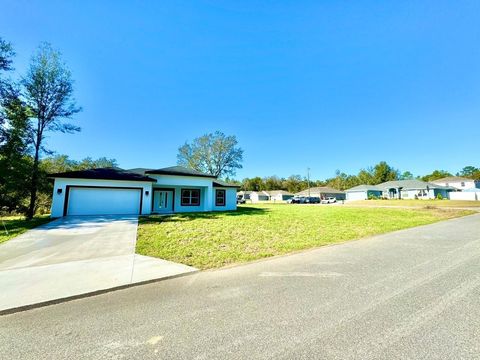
32,105
373,175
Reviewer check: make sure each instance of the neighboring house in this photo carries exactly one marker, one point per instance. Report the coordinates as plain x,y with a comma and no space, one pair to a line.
364,192
468,194
269,195
244,194
400,189
323,192
279,195
256,196
139,191
460,183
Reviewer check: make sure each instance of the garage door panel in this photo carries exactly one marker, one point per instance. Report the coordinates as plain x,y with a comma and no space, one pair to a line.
103,201
357,195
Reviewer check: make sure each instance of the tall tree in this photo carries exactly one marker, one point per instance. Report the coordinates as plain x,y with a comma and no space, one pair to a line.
6,55
14,162
216,154
435,175
468,171
6,59
48,93
406,175
383,172
365,176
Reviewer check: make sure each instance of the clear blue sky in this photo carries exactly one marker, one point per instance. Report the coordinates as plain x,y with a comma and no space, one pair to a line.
321,84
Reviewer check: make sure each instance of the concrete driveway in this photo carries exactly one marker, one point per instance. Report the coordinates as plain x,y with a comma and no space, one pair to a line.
75,255
411,294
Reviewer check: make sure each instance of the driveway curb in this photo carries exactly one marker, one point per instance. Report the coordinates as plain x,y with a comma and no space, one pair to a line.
90,294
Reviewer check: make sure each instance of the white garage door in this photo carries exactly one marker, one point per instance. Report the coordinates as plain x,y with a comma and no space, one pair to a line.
103,201
356,195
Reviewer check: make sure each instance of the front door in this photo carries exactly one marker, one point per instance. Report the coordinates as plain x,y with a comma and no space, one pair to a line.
163,201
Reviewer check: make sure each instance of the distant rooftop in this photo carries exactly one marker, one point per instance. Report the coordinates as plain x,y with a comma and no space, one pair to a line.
450,179
321,190
400,184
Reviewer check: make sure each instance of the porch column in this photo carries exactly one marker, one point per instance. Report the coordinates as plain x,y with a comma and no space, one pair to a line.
209,198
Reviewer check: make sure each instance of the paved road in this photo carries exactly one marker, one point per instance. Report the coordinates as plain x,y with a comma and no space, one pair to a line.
413,294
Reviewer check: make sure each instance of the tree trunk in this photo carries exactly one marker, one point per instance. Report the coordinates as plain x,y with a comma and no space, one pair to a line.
34,183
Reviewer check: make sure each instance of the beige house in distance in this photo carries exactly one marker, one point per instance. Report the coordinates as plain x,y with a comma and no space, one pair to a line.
270,195
323,192
457,182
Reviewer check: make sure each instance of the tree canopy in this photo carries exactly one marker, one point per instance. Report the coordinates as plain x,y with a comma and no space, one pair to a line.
214,153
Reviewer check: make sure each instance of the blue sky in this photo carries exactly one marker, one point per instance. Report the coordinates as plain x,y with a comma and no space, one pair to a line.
321,84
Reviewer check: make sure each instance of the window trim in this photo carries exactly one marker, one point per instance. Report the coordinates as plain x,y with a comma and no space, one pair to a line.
182,203
221,191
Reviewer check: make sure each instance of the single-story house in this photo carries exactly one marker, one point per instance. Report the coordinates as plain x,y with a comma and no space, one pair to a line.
244,194
256,196
364,192
323,192
400,189
458,182
110,191
472,194
279,195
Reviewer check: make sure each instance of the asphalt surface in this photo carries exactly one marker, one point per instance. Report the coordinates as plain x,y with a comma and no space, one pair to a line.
412,294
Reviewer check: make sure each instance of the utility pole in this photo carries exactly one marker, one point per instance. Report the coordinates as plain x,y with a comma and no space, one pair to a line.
308,180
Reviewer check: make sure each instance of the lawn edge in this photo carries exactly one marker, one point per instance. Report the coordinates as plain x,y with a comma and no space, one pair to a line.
296,252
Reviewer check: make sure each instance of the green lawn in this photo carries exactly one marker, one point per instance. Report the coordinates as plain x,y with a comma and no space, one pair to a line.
17,225
209,240
418,203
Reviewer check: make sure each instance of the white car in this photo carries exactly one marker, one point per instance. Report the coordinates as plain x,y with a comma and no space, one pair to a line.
329,200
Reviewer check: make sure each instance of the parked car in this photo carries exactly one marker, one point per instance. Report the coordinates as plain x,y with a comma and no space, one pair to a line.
240,200
329,200
298,200
312,200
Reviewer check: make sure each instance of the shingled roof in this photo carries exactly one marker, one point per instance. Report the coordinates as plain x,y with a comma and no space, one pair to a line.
179,170
220,183
110,173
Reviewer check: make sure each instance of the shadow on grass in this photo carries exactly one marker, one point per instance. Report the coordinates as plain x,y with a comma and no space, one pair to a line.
182,217
9,228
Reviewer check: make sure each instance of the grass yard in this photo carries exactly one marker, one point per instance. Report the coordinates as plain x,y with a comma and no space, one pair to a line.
17,225
419,203
210,240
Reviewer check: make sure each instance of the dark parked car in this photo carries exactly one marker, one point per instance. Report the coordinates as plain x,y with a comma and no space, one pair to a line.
240,199
298,200
305,200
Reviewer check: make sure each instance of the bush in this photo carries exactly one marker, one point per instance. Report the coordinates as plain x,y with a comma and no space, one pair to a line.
439,196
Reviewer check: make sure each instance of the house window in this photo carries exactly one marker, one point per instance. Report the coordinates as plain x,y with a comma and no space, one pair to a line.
219,197
463,184
190,197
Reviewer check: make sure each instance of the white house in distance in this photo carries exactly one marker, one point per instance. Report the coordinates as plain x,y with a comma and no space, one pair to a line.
400,189
459,183
114,191
364,192
279,195
268,195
